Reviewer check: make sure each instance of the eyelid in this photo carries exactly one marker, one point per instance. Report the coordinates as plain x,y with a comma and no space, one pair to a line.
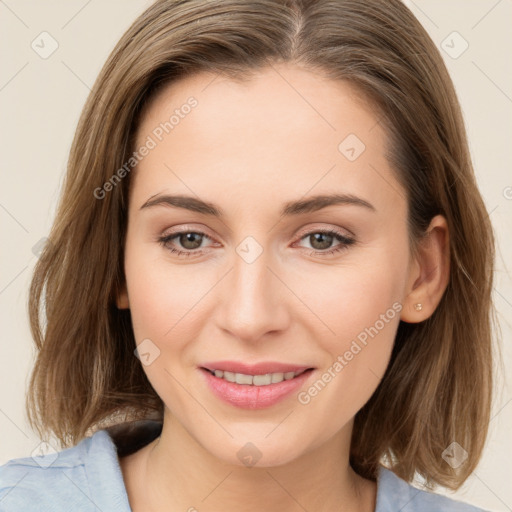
315,228
181,228
299,235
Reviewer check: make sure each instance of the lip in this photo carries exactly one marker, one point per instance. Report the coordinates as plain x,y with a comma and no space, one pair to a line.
252,397
253,369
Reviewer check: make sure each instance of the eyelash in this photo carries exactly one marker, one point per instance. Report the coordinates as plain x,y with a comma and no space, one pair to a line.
343,245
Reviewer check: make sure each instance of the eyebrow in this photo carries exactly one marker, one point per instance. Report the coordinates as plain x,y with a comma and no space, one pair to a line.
301,206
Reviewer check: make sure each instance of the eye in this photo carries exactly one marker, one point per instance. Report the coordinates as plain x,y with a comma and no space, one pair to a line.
189,240
321,241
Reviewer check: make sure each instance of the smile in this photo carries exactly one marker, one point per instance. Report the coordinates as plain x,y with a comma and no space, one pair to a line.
254,386
255,380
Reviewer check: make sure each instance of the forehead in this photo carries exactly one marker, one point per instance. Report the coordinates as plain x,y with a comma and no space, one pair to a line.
280,93
286,126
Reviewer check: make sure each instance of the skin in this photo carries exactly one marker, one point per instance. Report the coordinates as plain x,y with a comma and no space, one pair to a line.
249,148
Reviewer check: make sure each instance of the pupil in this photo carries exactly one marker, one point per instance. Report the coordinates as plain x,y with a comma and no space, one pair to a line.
188,242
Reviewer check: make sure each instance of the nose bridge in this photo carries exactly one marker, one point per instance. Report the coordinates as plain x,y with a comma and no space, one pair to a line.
251,273
253,303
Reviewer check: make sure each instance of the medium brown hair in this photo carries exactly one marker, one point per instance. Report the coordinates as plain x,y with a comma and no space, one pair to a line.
438,386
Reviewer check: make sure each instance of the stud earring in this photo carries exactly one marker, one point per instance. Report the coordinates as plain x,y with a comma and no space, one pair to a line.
418,307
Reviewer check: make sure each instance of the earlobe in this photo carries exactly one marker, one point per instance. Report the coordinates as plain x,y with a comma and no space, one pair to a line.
430,273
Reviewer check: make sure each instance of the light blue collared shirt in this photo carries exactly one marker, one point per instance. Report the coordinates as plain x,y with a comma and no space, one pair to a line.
88,477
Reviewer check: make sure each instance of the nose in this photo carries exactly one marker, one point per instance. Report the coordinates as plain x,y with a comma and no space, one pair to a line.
253,300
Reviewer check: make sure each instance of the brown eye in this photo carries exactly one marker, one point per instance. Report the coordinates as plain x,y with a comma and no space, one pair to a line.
190,240
321,241
184,243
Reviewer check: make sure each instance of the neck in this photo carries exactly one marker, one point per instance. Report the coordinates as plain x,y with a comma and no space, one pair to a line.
175,473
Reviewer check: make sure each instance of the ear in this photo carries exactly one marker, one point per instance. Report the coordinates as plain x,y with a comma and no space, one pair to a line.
122,300
429,273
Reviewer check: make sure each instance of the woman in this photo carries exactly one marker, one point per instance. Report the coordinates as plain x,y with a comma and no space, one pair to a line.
269,278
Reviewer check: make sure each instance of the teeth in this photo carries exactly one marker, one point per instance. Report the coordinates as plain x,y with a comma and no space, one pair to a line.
240,378
262,380
255,380
277,377
229,376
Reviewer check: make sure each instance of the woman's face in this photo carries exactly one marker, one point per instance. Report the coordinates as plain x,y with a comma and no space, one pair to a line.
262,285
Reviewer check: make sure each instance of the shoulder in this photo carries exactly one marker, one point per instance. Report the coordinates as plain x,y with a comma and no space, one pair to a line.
84,477
393,494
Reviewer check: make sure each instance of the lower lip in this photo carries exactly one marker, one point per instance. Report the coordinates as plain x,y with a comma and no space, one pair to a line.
248,396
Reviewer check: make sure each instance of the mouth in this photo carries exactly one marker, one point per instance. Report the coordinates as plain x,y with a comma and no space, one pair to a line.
254,387
265,379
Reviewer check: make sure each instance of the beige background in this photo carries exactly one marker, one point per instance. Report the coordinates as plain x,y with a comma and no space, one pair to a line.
41,99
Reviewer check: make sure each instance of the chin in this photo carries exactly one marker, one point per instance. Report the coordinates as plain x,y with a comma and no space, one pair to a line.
251,448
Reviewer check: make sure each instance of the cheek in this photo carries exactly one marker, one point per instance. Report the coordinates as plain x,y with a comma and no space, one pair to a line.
162,298
361,306
364,315
347,382
162,295
349,298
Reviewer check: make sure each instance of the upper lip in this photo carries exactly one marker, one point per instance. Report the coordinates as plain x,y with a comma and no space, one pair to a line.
254,369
